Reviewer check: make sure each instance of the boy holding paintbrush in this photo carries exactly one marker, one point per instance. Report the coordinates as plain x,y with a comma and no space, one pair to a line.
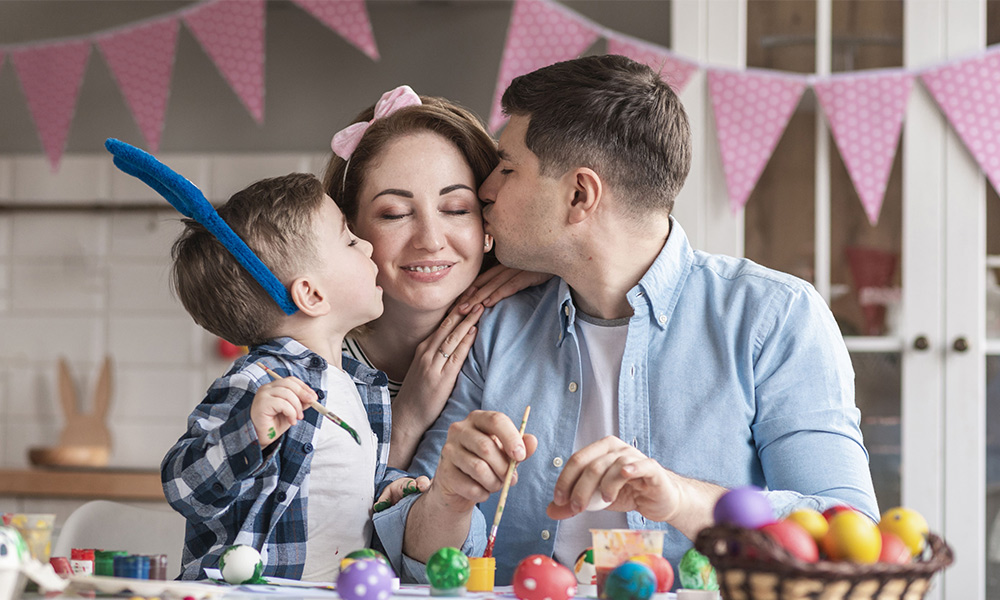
258,465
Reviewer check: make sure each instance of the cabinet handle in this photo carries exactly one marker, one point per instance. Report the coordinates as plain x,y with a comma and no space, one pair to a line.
960,345
921,343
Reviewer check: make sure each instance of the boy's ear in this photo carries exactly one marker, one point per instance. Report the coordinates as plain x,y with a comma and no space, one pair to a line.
587,190
310,298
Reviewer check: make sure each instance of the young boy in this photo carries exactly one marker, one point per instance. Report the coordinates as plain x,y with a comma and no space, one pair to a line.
257,465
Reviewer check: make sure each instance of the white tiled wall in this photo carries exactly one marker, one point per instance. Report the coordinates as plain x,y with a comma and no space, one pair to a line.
86,275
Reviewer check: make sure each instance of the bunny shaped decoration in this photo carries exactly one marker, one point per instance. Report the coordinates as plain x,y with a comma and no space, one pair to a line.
85,440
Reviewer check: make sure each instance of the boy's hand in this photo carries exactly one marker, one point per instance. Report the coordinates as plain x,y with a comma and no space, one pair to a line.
399,489
277,406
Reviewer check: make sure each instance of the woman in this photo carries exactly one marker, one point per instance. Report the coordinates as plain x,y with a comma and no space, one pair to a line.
406,176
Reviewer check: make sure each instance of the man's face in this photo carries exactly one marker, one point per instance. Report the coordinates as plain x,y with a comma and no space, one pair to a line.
522,205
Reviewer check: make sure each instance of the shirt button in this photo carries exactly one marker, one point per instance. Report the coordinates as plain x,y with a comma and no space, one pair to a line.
572,386
663,318
307,447
315,362
566,310
281,496
217,488
545,534
320,394
557,461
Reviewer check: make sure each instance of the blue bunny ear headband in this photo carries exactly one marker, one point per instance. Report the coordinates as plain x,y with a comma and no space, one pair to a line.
190,202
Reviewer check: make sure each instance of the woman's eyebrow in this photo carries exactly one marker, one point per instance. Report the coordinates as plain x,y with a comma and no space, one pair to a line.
452,188
394,192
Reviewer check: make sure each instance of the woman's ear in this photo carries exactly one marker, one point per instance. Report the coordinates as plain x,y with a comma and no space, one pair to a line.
488,245
310,299
587,194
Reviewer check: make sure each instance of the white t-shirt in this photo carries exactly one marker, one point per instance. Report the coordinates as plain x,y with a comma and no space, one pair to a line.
602,344
341,483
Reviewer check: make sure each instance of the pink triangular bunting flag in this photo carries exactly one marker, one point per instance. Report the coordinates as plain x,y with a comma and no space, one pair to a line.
675,70
968,93
232,34
751,110
51,76
142,61
541,33
349,18
865,112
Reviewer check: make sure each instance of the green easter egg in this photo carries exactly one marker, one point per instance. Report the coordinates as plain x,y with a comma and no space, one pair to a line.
447,569
695,572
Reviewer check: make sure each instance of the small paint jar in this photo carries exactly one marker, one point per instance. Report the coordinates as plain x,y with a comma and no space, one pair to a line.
104,561
482,571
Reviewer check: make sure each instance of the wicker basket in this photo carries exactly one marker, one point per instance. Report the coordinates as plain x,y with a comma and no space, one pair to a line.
751,566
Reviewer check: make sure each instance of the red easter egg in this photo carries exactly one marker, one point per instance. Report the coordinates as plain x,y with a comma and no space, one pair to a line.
538,577
828,513
793,537
661,568
894,549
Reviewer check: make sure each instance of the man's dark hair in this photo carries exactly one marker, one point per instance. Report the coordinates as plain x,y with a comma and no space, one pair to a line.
613,115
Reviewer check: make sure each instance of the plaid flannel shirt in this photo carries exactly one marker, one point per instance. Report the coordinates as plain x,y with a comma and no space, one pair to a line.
232,492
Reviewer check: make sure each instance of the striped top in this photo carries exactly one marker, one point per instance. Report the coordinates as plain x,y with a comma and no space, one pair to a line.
352,348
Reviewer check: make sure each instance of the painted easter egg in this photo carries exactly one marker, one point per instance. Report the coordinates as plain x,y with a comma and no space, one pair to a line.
241,564
794,538
538,577
630,581
363,554
908,524
365,579
447,569
586,573
743,507
661,569
696,573
894,550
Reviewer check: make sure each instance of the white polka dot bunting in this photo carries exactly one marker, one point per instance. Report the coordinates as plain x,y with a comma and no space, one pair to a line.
232,34
142,60
865,113
751,110
50,77
541,33
968,93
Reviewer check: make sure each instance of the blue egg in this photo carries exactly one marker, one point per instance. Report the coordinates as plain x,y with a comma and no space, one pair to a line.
746,507
630,581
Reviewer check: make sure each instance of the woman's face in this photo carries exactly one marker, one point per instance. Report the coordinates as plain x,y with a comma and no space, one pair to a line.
418,208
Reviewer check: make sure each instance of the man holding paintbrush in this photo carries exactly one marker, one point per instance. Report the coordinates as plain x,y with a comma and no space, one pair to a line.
659,376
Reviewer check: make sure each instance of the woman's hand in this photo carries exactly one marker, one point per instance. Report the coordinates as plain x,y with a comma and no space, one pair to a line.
429,382
497,283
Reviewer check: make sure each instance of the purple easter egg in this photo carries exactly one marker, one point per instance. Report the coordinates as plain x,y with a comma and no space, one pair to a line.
743,507
365,580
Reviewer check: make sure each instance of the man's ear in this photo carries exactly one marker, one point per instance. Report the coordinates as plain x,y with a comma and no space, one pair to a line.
587,190
310,299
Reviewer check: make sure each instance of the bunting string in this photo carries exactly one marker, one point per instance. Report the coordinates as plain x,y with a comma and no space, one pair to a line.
751,107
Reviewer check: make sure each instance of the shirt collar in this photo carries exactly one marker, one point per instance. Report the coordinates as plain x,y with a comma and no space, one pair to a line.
294,351
658,289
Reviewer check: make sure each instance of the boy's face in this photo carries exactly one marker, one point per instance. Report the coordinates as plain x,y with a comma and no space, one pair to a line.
346,268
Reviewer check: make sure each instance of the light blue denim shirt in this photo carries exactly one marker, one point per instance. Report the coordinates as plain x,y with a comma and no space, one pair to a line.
732,373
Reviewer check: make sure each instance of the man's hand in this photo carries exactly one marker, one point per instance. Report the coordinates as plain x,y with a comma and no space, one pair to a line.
475,458
616,472
277,406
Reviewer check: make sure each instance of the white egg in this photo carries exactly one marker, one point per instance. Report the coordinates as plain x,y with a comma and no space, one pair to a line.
597,502
240,564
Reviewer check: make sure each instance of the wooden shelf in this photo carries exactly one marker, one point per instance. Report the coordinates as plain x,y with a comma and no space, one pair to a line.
107,484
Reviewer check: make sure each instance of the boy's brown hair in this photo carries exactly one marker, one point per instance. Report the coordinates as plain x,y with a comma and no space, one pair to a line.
274,217
611,114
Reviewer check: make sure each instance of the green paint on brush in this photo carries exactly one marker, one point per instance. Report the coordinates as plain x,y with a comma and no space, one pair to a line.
350,430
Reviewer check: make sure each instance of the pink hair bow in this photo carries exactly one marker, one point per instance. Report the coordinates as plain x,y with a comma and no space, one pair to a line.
346,140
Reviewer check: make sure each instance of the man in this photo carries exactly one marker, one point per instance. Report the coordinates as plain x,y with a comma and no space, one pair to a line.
658,376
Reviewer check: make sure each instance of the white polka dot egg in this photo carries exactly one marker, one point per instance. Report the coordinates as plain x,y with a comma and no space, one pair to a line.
365,580
538,577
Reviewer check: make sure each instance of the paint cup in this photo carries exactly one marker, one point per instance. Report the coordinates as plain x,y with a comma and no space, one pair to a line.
482,571
36,529
612,547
